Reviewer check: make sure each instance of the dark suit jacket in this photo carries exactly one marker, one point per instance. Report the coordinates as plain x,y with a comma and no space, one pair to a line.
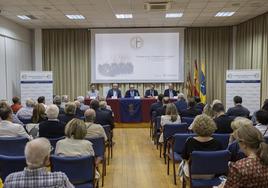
136,93
61,110
155,106
181,105
79,113
110,93
190,112
104,117
51,129
223,123
166,93
64,119
148,93
238,110
200,106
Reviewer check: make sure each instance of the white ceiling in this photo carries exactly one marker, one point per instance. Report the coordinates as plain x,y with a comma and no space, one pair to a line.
101,13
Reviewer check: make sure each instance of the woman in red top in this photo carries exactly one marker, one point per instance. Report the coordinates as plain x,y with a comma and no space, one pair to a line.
16,104
252,171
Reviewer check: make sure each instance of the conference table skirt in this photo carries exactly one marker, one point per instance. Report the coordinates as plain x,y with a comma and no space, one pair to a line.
127,110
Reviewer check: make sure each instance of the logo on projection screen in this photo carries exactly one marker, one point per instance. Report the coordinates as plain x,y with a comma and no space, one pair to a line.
136,42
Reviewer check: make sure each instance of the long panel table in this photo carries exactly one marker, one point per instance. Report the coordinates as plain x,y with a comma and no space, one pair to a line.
115,105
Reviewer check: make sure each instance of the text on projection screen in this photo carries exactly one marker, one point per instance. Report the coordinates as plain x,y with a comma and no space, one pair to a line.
137,57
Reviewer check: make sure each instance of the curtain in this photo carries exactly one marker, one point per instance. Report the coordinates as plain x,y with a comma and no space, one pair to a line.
252,48
67,53
213,47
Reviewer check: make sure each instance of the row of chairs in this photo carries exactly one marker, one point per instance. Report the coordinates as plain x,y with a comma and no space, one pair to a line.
7,145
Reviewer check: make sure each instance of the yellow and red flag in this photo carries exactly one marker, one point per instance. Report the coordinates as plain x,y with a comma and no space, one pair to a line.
196,80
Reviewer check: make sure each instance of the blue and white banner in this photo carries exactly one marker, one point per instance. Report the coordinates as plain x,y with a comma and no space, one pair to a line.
244,83
34,84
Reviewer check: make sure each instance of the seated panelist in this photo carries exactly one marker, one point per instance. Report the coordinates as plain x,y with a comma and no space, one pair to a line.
170,92
114,92
151,92
132,92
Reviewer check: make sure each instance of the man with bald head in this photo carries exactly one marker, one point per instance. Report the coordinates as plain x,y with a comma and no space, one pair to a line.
132,92
114,92
37,153
170,92
93,130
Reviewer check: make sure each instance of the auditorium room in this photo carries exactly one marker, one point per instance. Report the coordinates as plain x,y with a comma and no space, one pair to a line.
134,93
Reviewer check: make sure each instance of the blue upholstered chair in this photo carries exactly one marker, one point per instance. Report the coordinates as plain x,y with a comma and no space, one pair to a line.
109,143
99,149
176,150
53,142
188,120
10,164
156,130
199,165
12,146
223,139
79,170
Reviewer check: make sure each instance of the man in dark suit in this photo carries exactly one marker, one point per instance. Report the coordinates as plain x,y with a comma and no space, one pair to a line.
157,104
132,92
102,117
151,92
191,111
181,104
199,104
170,92
114,92
223,122
51,128
238,109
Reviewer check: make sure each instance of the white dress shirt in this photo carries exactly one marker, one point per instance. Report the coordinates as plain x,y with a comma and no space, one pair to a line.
9,129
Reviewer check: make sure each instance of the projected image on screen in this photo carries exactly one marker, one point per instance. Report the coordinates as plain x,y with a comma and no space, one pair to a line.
137,57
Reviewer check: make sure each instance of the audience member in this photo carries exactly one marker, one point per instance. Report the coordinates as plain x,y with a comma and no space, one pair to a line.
262,120
104,106
52,127
114,92
238,109
57,101
37,154
93,93
236,153
83,107
151,92
7,128
102,117
191,111
3,103
162,109
170,92
64,100
223,122
26,112
181,104
157,104
132,92
215,101
171,117
93,130
70,109
208,110
74,143
39,113
42,100
204,127
78,112
264,107
251,171
199,104
16,104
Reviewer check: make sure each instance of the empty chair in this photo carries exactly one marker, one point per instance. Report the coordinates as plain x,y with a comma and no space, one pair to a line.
176,149
99,149
199,165
109,144
79,170
188,120
223,139
12,146
171,129
10,164
53,142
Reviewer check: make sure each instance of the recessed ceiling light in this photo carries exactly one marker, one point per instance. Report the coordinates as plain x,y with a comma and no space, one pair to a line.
174,15
224,14
124,16
75,17
23,17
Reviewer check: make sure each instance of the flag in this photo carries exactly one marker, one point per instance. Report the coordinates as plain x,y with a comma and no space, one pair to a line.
203,95
196,80
189,85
